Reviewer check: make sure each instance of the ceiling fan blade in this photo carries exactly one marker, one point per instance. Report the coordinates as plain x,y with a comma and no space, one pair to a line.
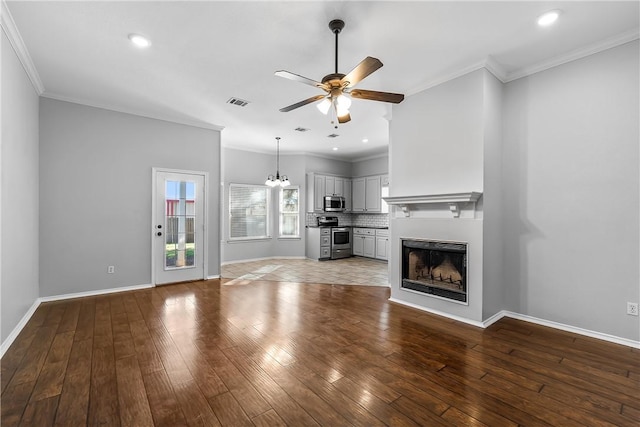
367,66
301,79
373,95
344,119
302,103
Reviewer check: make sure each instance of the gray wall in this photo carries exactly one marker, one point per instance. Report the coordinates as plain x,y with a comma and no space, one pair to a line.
327,166
246,167
559,171
493,283
436,139
95,193
19,209
571,192
372,166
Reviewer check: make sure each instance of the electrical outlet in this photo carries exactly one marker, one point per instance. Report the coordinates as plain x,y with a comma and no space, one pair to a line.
112,269
632,308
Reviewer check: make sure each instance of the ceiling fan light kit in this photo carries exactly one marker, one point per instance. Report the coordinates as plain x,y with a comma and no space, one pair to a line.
339,87
277,180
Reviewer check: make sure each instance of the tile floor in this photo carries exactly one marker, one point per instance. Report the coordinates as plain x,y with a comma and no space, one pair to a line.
347,271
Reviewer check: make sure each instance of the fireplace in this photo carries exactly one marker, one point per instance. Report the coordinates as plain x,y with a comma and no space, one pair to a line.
435,268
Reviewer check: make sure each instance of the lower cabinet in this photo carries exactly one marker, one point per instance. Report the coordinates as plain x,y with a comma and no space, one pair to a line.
318,243
365,242
382,244
357,246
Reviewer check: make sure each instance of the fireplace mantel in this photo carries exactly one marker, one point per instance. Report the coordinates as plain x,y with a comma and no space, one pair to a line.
451,199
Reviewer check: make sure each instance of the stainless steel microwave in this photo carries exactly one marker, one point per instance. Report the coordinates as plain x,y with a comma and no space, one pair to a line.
334,204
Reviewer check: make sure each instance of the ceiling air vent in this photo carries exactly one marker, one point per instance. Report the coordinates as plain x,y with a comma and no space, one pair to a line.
299,129
237,101
333,135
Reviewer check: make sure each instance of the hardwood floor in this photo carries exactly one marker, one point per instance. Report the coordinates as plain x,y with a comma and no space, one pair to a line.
272,353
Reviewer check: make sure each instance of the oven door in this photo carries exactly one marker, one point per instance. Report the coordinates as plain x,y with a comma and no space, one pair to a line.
340,242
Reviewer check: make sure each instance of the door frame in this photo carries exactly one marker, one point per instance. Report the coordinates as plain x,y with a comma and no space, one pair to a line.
154,201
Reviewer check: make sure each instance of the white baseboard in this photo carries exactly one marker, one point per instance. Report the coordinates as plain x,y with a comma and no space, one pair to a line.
238,261
16,331
493,319
94,293
574,329
21,324
439,313
213,277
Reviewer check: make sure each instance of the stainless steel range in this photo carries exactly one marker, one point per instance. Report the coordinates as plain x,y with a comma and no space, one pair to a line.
340,237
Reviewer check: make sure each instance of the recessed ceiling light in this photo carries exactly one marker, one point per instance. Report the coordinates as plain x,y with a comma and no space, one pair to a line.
548,18
335,148
365,140
139,40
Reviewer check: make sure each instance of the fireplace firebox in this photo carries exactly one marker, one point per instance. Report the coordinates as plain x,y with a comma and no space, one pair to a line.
435,268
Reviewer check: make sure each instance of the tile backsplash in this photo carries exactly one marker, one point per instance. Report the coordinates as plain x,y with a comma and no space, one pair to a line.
354,220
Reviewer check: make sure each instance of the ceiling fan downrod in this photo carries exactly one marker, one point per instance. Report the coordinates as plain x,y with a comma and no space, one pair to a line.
336,26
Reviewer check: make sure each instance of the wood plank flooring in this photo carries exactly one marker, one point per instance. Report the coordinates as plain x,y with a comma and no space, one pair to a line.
262,353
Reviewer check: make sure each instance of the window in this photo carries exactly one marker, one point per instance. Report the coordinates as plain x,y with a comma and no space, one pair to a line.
290,212
249,212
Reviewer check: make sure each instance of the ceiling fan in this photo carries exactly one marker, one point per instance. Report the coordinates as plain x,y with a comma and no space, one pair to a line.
338,85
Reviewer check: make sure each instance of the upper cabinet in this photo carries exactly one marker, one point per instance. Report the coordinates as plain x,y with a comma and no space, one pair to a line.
319,186
334,186
366,194
346,188
361,194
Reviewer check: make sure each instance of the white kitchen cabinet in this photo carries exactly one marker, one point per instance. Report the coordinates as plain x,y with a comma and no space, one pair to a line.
357,246
372,197
329,185
338,187
333,186
357,194
319,186
318,243
366,194
382,244
318,193
369,247
346,189
364,242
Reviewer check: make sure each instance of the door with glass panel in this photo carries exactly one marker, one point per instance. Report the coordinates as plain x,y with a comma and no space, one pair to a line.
178,249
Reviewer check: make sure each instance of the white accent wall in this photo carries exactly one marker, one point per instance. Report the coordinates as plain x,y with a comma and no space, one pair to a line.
448,140
19,193
95,193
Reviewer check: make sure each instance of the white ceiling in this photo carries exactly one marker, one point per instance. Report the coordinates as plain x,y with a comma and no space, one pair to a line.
205,52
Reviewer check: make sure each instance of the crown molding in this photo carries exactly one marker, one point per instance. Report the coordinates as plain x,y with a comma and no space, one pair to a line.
11,30
491,65
446,77
118,109
583,52
371,157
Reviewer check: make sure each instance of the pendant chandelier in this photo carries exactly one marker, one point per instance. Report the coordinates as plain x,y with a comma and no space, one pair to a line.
278,180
